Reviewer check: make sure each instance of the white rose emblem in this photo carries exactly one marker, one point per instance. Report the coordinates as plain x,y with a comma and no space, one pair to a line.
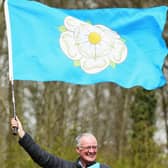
94,46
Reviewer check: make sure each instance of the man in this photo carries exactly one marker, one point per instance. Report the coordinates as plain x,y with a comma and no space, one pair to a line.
86,147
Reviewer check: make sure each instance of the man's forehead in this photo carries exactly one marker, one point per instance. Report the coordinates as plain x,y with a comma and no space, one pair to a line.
88,140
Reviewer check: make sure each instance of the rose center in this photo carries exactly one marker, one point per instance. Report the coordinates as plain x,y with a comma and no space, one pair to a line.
94,38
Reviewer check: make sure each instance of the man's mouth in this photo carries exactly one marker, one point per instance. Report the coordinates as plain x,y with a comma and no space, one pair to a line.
91,154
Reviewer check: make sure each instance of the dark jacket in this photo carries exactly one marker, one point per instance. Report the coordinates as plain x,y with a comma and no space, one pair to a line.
45,159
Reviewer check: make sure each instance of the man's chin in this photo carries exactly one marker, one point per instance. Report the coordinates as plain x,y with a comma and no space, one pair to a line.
90,160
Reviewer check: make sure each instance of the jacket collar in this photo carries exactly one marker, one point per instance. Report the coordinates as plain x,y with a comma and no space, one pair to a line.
79,164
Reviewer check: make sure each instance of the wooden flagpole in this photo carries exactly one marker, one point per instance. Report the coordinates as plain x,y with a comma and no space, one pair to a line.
14,129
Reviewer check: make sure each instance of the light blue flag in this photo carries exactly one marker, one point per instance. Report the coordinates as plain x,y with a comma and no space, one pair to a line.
86,46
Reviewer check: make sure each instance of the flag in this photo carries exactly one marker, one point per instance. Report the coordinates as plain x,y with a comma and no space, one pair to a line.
86,46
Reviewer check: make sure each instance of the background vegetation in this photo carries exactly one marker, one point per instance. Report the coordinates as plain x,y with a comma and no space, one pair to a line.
131,125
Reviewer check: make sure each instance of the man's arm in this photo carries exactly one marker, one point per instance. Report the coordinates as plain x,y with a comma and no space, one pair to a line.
40,156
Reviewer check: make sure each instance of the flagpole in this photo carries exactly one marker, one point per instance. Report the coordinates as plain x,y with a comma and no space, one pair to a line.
14,128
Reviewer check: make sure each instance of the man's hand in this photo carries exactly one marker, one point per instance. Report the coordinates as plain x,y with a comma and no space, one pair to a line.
15,123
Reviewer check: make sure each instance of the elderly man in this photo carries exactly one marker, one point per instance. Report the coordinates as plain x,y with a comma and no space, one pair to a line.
86,147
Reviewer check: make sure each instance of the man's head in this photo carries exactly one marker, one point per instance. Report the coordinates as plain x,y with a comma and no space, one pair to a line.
86,147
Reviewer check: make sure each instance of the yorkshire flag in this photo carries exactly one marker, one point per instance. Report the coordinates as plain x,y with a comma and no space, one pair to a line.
86,46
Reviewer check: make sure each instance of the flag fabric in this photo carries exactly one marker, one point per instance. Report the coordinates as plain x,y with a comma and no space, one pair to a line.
86,46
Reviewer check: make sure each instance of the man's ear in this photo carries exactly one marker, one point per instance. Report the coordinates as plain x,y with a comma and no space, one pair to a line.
77,149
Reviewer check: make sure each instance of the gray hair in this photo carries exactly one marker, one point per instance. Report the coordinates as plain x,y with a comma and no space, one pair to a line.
78,138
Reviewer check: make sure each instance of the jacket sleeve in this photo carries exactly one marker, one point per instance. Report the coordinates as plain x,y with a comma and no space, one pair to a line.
40,156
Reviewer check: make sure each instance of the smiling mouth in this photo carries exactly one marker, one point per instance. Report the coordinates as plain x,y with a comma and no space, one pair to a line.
91,154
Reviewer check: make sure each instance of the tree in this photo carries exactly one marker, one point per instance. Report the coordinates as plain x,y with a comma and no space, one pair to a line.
143,127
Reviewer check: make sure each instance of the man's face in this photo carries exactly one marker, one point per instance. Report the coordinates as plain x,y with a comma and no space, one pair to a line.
87,149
